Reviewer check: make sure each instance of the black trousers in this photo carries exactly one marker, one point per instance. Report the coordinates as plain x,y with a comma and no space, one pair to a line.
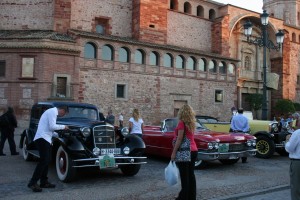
9,135
41,170
188,179
295,179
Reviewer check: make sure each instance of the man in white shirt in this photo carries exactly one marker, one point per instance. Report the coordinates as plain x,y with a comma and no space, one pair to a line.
121,119
240,124
293,147
43,139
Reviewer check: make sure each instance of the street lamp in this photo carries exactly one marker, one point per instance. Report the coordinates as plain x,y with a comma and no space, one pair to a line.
264,42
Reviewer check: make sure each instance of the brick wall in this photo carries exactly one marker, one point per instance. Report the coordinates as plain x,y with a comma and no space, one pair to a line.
20,15
188,31
151,23
119,12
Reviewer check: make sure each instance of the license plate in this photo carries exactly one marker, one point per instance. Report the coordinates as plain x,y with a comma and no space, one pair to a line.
223,148
111,151
233,157
107,161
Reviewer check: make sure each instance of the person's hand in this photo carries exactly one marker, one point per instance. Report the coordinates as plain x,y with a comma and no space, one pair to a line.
287,138
66,128
173,156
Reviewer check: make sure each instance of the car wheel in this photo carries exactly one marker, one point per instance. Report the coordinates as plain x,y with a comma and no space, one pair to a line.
229,161
27,156
200,164
64,163
265,147
282,152
130,170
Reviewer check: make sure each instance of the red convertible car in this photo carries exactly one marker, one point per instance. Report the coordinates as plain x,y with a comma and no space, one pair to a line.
225,147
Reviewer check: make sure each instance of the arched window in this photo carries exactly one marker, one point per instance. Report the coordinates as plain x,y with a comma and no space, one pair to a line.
187,8
90,51
191,63
168,60
200,11
107,52
247,64
212,66
212,14
231,69
222,68
154,58
124,55
293,37
180,62
174,4
202,65
139,57
100,29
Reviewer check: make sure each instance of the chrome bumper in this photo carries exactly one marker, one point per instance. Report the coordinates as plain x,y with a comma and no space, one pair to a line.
120,160
227,155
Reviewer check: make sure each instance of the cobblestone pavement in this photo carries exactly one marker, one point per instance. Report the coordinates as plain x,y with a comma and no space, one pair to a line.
248,181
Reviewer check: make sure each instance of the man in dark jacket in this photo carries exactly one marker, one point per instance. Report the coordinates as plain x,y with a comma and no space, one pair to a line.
8,123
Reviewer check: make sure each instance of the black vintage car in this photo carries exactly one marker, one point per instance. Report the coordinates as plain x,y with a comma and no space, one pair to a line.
89,142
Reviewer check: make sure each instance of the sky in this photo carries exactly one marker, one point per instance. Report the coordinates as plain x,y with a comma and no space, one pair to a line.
254,5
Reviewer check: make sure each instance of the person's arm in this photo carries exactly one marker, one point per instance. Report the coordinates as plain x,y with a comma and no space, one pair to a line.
292,141
142,127
52,122
130,126
177,144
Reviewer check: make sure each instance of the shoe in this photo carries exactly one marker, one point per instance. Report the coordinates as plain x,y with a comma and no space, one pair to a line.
14,154
47,185
35,187
244,161
2,154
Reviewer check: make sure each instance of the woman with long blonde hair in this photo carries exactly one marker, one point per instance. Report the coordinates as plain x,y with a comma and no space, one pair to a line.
136,123
186,128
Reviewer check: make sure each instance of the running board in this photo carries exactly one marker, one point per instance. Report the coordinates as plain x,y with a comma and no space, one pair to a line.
34,152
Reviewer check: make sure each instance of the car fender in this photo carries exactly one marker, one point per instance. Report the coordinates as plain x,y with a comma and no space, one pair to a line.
264,133
133,142
29,136
70,143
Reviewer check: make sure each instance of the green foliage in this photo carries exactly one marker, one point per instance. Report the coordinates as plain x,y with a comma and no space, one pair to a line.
297,106
285,106
255,101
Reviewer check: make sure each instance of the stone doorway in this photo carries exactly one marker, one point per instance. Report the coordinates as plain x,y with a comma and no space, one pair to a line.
177,106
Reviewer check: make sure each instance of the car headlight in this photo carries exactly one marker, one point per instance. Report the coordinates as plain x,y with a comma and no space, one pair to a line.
251,143
216,145
124,131
96,151
213,145
86,132
126,150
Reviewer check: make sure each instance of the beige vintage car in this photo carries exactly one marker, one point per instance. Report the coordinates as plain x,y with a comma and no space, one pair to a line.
268,137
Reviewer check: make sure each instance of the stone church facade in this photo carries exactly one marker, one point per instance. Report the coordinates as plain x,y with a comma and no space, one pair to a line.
152,55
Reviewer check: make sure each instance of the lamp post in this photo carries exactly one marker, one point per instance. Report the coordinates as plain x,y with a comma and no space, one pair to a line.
264,42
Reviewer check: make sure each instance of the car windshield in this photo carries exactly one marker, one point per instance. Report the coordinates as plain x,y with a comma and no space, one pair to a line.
82,112
200,126
170,125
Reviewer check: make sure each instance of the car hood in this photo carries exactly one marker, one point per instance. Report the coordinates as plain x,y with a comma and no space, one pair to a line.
79,122
223,137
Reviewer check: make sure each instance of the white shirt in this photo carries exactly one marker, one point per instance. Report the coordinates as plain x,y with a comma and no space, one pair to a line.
136,126
121,118
47,125
293,145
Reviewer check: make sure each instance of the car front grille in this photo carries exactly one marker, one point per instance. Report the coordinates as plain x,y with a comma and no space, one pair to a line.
104,137
237,147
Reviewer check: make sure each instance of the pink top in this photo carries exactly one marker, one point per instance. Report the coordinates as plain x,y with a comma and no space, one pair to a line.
189,135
